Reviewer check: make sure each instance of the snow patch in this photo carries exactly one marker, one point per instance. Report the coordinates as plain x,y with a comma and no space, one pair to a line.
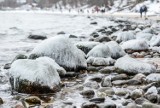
133,66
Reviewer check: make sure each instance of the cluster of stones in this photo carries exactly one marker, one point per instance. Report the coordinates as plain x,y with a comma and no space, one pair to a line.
107,71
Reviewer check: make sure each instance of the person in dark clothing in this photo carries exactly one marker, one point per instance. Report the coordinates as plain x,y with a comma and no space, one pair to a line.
143,9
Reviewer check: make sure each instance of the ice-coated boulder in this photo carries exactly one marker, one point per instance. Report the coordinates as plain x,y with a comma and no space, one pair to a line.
145,36
63,51
133,66
135,45
125,36
99,61
116,50
86,46
155,77
101,50
35,76
155,41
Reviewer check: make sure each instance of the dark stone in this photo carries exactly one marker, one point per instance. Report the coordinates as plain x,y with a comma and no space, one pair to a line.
103,39
1,101
94,23
97,79
33,56
61,33
107,105
89,105
69,75
72,36
152,98
37,37
7,66
88,93
20,56
97,100
95,34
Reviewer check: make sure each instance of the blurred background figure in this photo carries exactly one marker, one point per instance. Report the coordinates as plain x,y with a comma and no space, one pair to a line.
143,9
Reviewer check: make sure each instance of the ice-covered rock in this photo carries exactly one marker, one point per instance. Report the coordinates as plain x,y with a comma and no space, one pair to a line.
86,46
99,61
145,36
152,90
101,50
133,66
125,36
35,76
155,77
116,50
148,30
155,41
135,45
63,51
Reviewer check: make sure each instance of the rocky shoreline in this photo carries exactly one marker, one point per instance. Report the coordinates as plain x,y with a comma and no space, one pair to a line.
115,67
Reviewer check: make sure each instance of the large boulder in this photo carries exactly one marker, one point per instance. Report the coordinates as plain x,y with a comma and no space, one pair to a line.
155,77
115,49
155,41
101,50
34,76
63,51
133,66
125,36
86,46
135,45
145,36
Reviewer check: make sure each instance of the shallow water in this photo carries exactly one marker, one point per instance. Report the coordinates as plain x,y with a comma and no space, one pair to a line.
15,27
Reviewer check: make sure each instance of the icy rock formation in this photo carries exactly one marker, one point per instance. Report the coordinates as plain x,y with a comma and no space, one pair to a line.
35,76
132,66
155,41
155,77
145,36
100,50
99,61
135,45
86,46
125,36
116,50
63,51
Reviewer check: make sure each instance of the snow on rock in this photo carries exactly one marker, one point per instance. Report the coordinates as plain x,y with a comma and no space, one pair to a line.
134,66
35,76
145,36
63,51
155,77
148,30
125,36
86,46
101,50
152,90
116,50
135,45
155,41
99,61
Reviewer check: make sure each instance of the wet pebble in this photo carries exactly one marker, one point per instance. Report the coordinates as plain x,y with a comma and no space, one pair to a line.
136,94
97,100
106,82
88,93
89,105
